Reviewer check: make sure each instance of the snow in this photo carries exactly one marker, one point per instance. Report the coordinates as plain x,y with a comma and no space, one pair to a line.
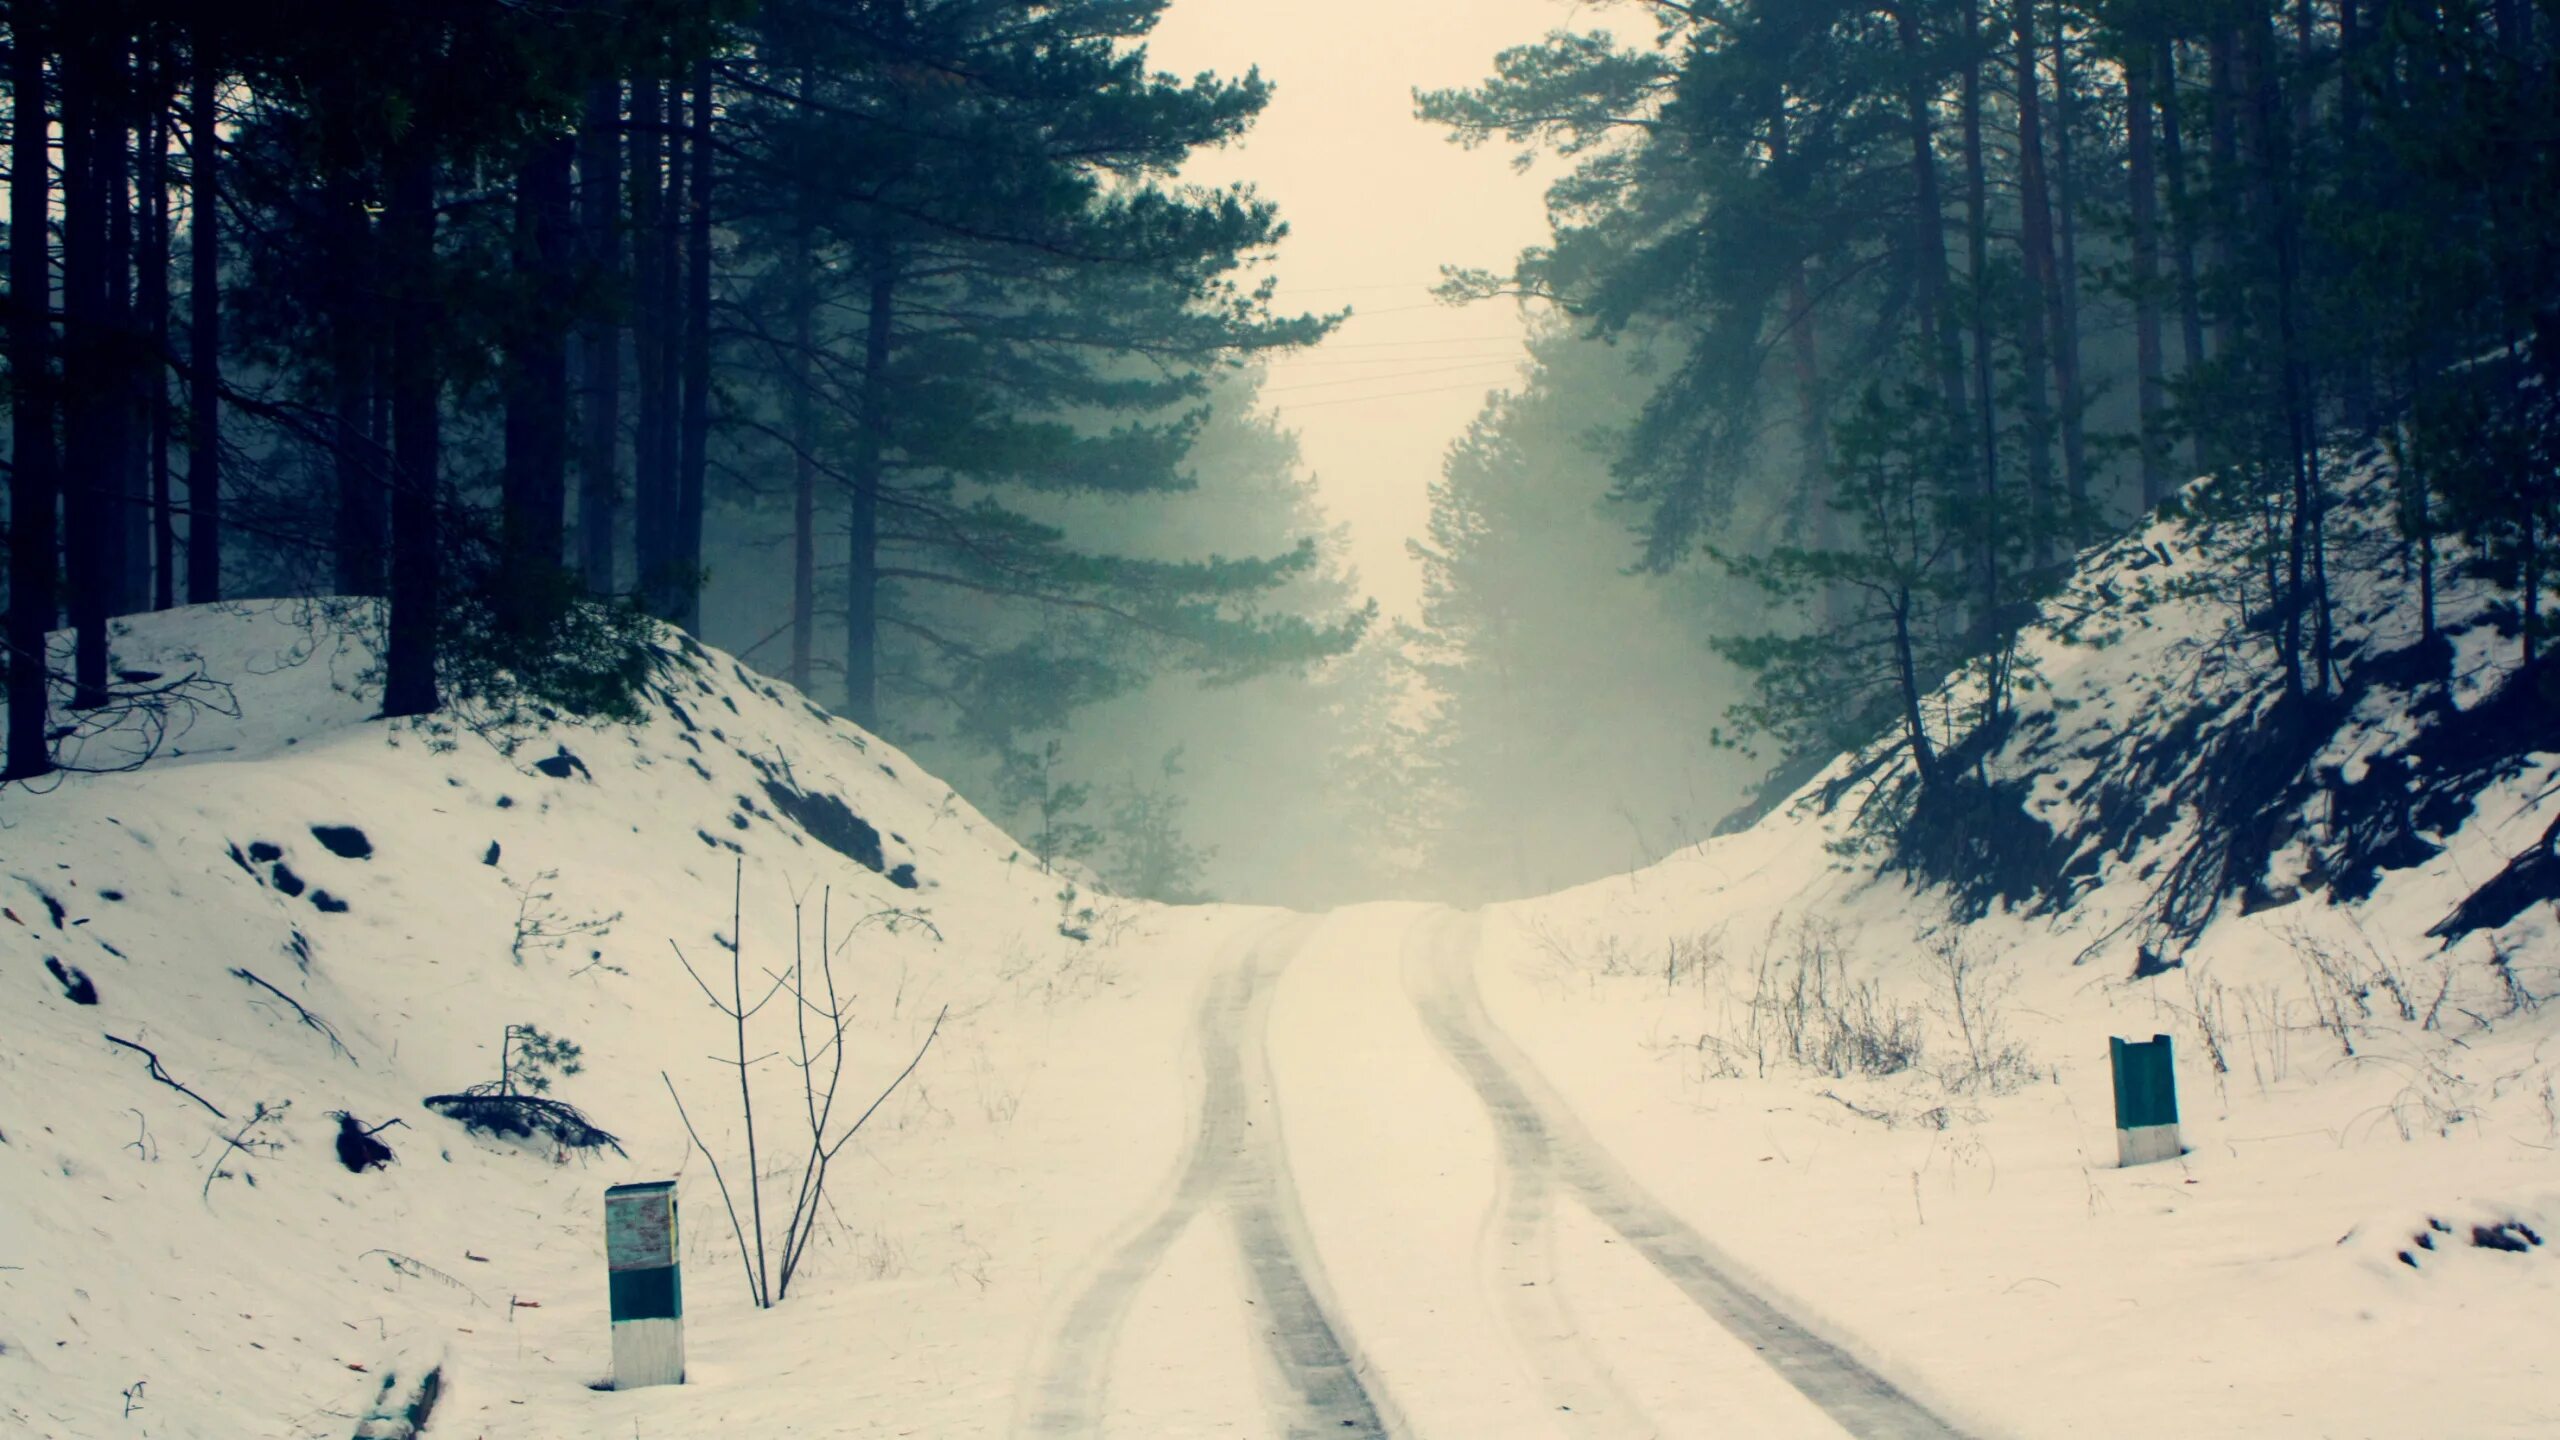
1224,1171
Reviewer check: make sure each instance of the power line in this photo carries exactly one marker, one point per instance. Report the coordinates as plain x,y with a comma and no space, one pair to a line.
1436,340
1398,375
1400,309
1286,288
1504,354
1294,405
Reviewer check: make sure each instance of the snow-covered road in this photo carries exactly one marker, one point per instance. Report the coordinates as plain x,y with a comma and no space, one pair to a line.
1422,1238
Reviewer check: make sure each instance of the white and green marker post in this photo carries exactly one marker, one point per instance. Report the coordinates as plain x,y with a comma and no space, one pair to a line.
2146,1101
647,1285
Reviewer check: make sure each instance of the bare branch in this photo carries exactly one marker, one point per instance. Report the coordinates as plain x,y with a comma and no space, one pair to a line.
165,1078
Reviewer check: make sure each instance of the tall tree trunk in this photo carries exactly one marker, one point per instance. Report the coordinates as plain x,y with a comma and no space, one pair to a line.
2182,223
693,450
1977,207
204,339
661,579
129,547
91,472
1924,756
800,283
32,392
862,567
1813,423
2268,168
2065,278
409,235
1929,218
650,461
534,476
1813,426
2222,135
2143,180
156,247
600,339
356,460
2361,410
2035,245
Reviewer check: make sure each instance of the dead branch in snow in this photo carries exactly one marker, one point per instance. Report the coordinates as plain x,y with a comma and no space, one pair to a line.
161,1074
309,1020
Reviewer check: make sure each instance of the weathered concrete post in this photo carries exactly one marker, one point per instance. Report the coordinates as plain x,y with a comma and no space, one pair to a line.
2146,1101
647,1285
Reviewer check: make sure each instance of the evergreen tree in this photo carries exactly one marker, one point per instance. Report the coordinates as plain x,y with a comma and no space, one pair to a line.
1530,779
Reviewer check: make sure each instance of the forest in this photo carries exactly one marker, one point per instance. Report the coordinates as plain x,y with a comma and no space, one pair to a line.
1924,299
885,345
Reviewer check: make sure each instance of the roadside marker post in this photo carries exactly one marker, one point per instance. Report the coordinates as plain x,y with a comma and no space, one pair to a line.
2146,1101
647,1285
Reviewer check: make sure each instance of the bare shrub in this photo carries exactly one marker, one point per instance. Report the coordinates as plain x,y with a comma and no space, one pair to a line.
1820,1017
2209,1008
1693,957
822,1015
2340,997
2269,1028
1971,990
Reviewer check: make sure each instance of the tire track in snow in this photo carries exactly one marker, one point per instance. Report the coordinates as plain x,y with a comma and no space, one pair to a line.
1517,1247
1237,1165
1535,1122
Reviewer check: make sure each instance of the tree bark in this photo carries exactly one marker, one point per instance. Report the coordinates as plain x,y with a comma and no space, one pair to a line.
600,339
32,474
409,224
204,341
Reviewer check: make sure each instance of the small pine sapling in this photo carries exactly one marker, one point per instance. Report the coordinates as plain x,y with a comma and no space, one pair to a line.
517,1103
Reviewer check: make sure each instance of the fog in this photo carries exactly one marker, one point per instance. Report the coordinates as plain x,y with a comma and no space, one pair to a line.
1376,203
1364,777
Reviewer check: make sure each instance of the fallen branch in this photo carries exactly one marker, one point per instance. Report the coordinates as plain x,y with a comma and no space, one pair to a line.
161,1074
309,1020
415,1268
1878,1116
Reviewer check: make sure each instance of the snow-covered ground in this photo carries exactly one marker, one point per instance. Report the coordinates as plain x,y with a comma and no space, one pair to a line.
1560,1168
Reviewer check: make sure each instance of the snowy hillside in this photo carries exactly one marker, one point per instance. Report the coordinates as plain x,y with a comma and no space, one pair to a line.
1874,1059
295,908
1804,1131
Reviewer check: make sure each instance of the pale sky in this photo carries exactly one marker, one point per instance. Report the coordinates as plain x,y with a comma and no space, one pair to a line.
1376,202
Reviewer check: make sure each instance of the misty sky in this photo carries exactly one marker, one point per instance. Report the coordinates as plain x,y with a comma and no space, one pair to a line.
1376,203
